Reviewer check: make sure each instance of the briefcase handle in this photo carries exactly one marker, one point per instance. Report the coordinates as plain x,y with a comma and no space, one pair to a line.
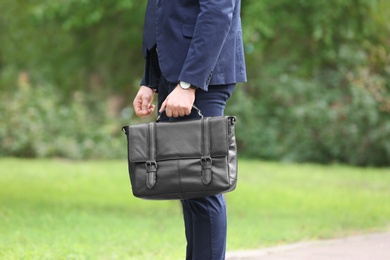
193,107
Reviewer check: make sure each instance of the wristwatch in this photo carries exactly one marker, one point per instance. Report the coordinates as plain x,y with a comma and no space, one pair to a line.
185,85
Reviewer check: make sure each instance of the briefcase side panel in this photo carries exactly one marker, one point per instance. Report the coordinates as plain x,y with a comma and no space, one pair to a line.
219,143
232,157
138,143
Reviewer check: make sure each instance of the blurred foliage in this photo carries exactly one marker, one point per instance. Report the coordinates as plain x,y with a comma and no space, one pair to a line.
75,45
304,36
319,86
36,123
325,125
318,90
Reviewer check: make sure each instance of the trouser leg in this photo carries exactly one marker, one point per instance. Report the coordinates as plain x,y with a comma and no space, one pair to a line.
205,222
204,218
189,230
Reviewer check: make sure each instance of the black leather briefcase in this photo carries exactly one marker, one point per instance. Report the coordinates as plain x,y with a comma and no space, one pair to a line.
184,159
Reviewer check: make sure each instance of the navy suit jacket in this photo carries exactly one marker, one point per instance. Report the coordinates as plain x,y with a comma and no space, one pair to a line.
198,41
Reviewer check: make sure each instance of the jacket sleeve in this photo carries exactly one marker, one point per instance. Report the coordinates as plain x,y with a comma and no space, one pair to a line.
143,81
211,29
152,73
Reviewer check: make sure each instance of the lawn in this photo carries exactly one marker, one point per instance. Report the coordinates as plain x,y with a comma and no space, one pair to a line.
58,209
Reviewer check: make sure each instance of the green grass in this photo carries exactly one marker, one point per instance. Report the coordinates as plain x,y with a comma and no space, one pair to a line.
54,209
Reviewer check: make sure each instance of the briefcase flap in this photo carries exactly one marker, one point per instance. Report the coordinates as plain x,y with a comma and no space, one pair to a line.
182,139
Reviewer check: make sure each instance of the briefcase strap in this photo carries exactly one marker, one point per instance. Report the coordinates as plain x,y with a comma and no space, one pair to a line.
206,160
151,164
193,107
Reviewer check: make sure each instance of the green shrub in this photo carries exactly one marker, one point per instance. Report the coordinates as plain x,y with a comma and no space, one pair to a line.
295,119
319,82
36,122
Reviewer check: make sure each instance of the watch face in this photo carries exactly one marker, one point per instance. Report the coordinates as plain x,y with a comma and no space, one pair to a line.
184,85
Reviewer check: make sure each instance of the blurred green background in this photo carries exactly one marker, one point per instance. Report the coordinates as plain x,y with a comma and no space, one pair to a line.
318,89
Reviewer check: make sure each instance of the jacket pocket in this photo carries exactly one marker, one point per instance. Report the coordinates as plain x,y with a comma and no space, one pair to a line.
188,30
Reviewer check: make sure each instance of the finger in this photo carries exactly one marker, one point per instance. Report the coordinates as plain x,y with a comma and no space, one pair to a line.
164,104
145,104
151,108
168,112
182,112
137,106
175,113
188,111
148,111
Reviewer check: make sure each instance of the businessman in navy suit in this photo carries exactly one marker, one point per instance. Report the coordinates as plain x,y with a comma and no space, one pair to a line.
194,54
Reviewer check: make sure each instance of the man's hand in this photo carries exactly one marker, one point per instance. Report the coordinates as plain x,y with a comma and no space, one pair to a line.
179,102
143,101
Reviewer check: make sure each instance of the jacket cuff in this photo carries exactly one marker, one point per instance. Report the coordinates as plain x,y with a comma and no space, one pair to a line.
143,81
196,81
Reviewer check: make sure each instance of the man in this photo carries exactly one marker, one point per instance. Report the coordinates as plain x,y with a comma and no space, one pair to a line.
194,54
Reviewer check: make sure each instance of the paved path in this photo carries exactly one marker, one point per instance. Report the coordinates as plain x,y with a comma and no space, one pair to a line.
372,247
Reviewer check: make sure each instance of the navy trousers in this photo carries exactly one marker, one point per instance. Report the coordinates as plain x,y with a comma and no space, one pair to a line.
204,218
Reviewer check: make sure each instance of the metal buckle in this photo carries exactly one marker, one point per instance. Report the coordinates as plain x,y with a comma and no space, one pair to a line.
206,162
151,165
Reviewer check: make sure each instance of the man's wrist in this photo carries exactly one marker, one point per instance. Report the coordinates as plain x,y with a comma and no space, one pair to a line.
148,87
185,85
